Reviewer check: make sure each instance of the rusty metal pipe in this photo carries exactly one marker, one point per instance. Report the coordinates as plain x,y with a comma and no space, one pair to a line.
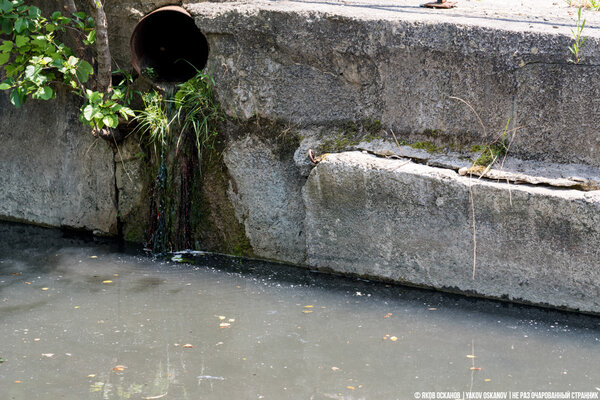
167,46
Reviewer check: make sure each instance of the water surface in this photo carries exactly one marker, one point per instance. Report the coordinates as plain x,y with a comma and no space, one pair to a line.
83,320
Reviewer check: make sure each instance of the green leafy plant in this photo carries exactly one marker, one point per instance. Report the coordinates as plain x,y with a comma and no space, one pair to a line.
578,39
166,121
197,112
35,61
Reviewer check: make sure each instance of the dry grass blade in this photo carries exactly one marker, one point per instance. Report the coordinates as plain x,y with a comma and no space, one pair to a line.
474,112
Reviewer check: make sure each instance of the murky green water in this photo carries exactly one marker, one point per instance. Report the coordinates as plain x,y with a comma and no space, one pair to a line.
81,320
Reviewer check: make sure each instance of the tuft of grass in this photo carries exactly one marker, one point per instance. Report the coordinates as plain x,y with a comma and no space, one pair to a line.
490,153
578,39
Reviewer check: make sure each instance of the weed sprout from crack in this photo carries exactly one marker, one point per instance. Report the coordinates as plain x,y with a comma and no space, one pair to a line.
578,39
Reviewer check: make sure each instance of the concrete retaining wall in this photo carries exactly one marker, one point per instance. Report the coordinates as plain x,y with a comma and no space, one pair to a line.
342,78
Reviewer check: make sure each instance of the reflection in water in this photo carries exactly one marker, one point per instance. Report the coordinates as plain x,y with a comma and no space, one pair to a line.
81,320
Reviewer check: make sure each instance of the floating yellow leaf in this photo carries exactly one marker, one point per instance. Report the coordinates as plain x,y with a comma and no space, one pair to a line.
107,281
224,324
231,319
475,369
115,274
432,308
470,356
45,288
393,338
119,368
487,380
28,283
187,346
91,375
221,317
309,306
307,311
76,307
47,355
387,315
93,256
17,381
350,387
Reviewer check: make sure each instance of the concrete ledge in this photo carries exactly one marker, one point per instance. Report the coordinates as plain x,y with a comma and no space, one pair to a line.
412,223
315,63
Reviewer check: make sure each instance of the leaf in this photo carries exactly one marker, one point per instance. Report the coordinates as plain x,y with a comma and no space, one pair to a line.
119,368
34,12
5,5
91,38
107,281
20,25
21,40
7,45
80,15
128,111
110,120
84,70
47,355
16,98
88,111
4,57
31,72
187,346
6,26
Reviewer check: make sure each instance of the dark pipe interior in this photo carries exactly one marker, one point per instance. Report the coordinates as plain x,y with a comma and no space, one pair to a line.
167,46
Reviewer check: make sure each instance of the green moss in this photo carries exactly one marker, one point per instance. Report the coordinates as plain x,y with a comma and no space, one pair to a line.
490,154
215,225
427,146
135,233
346,135
477,148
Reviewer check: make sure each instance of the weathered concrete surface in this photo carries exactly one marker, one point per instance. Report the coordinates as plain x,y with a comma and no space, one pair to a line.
315,62
266,194
413,223
52,170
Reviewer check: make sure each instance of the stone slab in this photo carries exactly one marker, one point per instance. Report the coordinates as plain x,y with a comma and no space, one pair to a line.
413,224
52,170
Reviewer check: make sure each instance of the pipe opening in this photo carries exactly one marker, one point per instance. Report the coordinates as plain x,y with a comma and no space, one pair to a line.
167,46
